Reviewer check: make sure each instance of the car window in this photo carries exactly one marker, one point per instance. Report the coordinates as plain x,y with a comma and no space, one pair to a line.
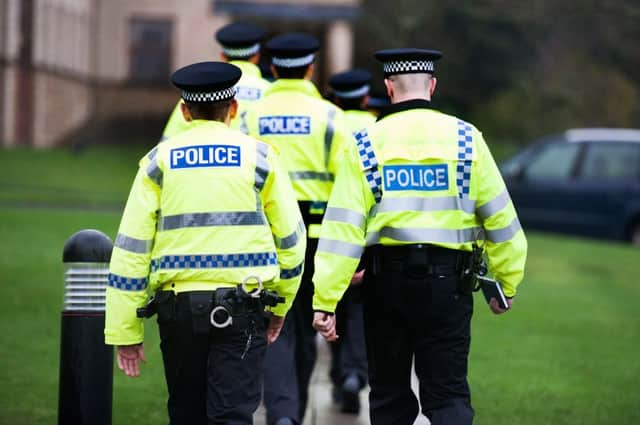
611,161
553,161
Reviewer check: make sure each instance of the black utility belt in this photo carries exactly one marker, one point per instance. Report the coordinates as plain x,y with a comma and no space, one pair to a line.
220,308
426,258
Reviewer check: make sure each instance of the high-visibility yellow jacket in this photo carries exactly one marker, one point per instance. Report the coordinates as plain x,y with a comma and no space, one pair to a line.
358,120
207,208
309,132
417,176
250,89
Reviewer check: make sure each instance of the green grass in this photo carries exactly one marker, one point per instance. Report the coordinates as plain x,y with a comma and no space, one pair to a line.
567,353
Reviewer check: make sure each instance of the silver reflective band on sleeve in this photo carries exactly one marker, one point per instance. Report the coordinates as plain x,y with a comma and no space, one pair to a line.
292,239
493,206
504,234
328,135
311,175
154,172
139,246
244,218
444,203
262,165
424,235
154,151
347,249
344,215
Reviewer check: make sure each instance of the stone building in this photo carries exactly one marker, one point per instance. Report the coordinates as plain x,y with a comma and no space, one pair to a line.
69,65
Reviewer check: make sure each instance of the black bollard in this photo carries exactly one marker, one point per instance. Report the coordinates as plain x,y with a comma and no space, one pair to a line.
86,363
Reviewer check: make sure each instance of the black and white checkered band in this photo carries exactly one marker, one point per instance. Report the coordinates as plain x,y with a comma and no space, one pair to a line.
214,96
241,52
359,92
292,62
407,67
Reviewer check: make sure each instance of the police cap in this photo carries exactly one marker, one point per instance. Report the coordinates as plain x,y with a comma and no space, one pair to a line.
408,61
351,84
207,81
293,50
240,40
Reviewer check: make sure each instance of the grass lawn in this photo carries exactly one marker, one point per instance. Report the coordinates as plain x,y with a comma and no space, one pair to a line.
568,353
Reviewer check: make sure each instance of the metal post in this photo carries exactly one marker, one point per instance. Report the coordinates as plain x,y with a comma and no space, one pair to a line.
86,363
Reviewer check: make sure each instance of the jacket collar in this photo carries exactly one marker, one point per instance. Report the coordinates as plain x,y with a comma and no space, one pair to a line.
404,106
247,68
304,86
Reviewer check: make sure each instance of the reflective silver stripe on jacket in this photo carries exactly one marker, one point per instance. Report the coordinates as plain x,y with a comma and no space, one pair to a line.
444,203
328,135
139,246
505,233
495,205
291,240
344,215
311,175
262,165
425,235
246,218
341,248
154,151
154,172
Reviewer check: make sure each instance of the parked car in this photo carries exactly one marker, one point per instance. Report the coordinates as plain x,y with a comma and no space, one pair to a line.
585,182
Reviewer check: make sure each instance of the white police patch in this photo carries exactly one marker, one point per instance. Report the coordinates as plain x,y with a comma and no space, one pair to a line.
205,156
248,93
416,177
285,124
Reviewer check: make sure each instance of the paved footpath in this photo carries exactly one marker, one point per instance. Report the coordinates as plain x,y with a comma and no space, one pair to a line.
321,410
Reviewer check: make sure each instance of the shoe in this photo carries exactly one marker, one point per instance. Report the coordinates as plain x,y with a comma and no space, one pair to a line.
351,395
284,421
336,394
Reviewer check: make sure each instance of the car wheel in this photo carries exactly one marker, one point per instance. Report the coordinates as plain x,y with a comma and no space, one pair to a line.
634,235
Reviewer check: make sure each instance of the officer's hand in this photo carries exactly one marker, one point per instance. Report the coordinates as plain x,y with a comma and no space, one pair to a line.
128,357
495,307
325,324
357,278
275,326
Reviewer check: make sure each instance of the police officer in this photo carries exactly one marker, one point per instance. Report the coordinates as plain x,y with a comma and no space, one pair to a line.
241,47
349,359
310,134
209,209
418,192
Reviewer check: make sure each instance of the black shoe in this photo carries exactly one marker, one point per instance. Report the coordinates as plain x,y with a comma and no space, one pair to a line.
351,395
336,394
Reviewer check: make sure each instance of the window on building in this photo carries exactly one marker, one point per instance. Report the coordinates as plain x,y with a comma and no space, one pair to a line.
150,51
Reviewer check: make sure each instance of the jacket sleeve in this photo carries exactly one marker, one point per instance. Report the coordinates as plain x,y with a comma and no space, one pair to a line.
176,123
506,244
287,227
342,235
130,260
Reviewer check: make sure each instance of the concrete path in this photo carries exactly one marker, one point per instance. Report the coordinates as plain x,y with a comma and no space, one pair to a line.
321,410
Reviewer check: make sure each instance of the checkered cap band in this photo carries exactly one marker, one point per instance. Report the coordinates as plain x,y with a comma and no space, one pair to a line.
292,62
215,96
465,157
406,67
359,92
241,52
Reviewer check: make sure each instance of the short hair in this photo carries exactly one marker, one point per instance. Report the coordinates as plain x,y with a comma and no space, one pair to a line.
210,111
296,73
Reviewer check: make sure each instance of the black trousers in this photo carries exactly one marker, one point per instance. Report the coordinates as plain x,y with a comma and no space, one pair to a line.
413,311
213,376
348,353
291,359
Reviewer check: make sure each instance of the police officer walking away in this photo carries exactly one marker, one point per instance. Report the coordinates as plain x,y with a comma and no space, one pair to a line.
310,135
240,44
419,190
349,358
204,211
